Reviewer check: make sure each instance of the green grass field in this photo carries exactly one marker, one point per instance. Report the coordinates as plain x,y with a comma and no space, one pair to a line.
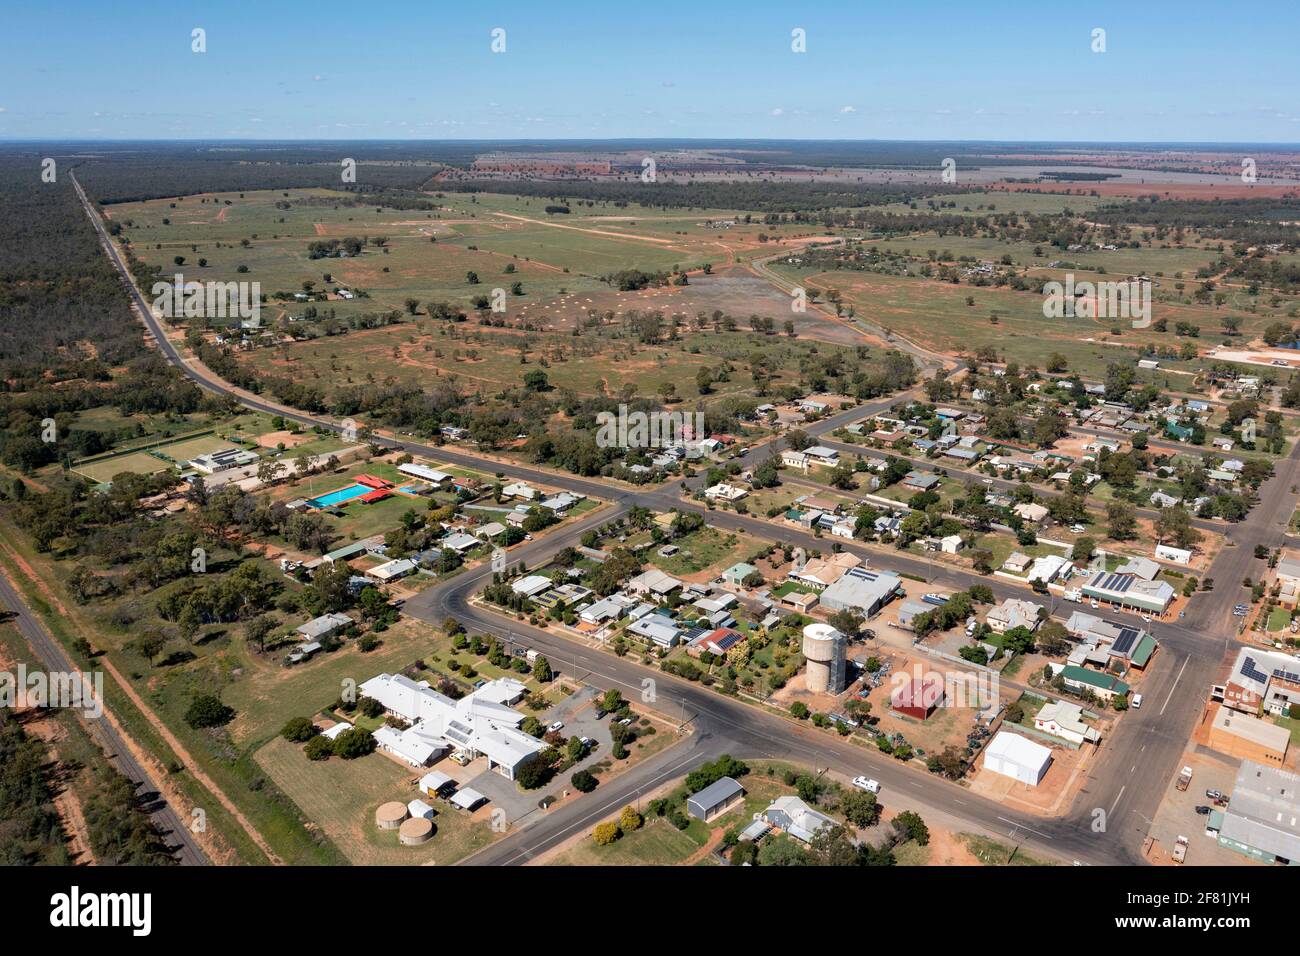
139,462
341,797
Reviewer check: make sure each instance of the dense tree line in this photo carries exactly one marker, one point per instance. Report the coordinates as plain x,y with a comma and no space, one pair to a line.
63,308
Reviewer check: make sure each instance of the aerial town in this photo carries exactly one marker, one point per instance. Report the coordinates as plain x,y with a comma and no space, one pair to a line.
676,500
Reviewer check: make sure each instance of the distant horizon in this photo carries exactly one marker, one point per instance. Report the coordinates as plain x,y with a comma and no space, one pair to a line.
721,140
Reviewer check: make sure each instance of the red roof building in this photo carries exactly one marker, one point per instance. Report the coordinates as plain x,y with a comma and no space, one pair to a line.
919,697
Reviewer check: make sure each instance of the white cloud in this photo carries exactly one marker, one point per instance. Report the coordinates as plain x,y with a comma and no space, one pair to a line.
848,109
778,111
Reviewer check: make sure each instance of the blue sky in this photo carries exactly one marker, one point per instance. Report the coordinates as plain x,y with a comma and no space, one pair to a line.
276,69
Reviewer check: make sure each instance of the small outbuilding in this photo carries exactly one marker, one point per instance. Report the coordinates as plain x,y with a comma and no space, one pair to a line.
715,799
1017,757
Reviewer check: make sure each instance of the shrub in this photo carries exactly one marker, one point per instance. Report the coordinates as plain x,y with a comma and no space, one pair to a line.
319,748
629,820
299,730
584,781
354,743
606,833
208,711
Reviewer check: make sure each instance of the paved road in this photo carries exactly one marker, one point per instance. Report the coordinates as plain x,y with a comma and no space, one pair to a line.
53,658
1135,766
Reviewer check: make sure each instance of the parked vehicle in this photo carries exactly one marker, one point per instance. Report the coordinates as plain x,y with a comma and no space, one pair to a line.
558,725
1074,594
936,599
1137,701
1215,795
1184,779
867,784
1202,809
1180,849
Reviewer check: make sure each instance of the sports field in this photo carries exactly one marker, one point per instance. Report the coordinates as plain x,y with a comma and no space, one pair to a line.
146,463
139,462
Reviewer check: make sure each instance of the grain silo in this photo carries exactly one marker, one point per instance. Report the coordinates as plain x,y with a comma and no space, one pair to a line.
823,648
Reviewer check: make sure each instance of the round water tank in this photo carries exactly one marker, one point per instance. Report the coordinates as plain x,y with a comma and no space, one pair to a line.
390,815
415,831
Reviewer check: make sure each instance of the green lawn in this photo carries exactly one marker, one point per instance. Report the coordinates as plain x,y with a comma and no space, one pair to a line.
341,797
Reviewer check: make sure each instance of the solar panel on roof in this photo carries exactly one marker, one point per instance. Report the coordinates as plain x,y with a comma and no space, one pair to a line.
1128,637
1249,669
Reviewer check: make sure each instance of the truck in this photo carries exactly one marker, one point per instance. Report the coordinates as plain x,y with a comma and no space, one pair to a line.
1184,779
1074,594
938,600
1180,849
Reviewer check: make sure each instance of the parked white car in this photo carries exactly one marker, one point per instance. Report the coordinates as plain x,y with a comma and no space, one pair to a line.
1137,700
867,784
558,725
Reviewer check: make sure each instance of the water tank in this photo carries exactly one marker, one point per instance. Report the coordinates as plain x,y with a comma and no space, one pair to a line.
415,831
389,816
823,649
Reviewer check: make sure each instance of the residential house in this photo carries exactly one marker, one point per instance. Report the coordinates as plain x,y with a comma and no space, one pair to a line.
323,626
1013,613
736,574
1063,719
654,583
791,815
1031,512
919,481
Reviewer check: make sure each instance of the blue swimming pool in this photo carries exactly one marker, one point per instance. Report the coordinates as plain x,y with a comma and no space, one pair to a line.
338,497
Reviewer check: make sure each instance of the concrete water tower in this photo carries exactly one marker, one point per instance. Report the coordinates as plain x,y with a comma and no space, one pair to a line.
823,648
